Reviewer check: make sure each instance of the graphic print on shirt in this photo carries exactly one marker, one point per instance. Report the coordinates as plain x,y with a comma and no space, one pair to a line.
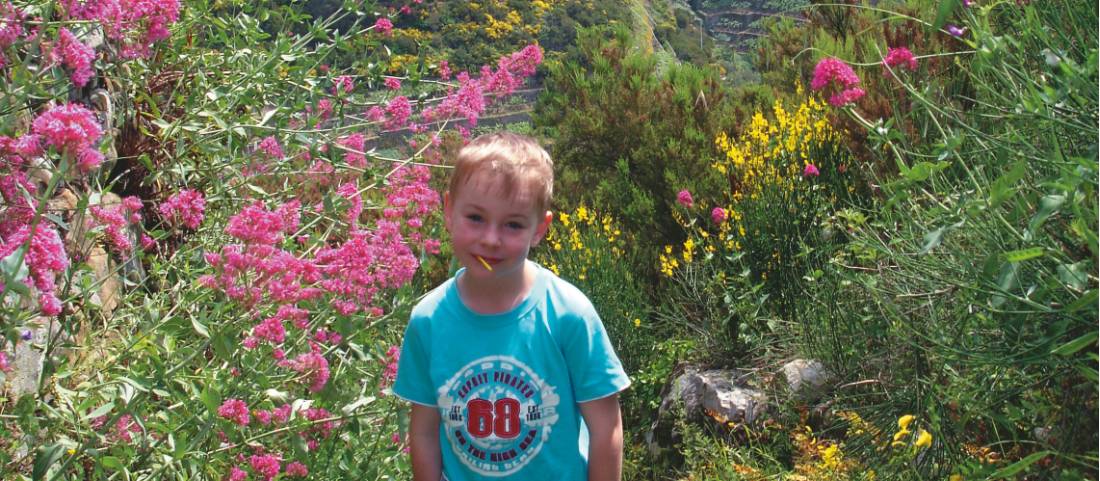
498,413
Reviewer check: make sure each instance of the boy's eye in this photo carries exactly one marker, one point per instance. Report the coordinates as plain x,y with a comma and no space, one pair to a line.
474,217
514,225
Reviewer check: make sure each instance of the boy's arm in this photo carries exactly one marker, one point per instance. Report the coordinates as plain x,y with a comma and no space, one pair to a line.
605,432
424,443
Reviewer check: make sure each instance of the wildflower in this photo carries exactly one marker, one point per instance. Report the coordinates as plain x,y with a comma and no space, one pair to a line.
718,215
637,322
810,171
392,83
343,84
924,439
846,97
147,243
5,365
185,208
76,56
27,335
900,434
398,110
234,410
955,477
68,128
900,56
297,469
684,198
236,474
11,24
270,146
444,70
384,26
45,259
833,70
265,465
955,30
904,421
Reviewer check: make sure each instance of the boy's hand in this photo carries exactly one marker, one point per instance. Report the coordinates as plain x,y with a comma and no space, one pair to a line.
605,432
424,443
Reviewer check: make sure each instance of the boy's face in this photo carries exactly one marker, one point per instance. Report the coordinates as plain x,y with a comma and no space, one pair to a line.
486,223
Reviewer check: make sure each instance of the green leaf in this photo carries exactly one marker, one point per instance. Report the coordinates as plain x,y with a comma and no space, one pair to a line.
210,398
1024,254
1075,275
110,462
104,409
1087,299
1004,187
1018,466
200,327
1048,205
45,458
14,269
932,240
1075,345
923,170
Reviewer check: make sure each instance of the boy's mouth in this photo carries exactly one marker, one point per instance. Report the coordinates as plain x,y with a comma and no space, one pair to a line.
488,263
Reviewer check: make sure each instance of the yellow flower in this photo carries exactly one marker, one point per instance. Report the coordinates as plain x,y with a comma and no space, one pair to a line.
637,322
900,434
903,422
71,451
955,477
924,439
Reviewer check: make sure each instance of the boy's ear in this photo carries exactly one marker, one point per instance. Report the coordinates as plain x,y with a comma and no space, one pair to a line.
543,228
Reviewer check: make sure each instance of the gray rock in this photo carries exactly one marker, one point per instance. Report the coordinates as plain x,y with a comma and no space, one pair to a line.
807,380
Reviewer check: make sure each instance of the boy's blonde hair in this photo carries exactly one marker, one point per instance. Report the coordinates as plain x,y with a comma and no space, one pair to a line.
517,163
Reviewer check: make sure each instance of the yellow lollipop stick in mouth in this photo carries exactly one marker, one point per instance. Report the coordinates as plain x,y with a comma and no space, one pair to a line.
486,264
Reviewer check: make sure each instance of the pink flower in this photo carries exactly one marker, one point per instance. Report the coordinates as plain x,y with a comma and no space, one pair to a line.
184,208
234,410
342,84
355,144
684,198
68,128
810,171
392,83
236,474
718,215
147,243
88,159
270,146
297,469
398,110
955,30
314,365
444,70
11,24
830,70
900,56
846,96
76,56
265,465
5,366
384,26
263,416
44,260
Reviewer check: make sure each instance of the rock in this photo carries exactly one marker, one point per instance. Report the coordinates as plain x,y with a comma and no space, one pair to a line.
807,380
698,397
28,357
106,297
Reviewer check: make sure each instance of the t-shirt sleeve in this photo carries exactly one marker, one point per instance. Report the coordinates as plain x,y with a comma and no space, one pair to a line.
413,381
593,366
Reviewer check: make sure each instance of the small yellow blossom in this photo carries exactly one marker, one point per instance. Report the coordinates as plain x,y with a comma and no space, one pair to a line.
637,322
903,422
900,434
924,439
955,477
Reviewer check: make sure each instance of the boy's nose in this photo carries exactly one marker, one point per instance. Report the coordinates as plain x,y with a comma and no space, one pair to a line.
491,237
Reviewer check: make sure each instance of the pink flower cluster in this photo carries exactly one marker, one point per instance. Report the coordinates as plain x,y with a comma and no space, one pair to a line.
810,171
833,71
5,365
900,57
234,410
342,84
185,208
408,195
116,219
355,144
384,26
136,24
393,355
266,465
684,198
469,99
392,83
313,365
270,146
279,415
44,259
71,129
718,215
76,56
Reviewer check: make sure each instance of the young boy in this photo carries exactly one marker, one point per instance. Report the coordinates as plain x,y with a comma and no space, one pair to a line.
503,361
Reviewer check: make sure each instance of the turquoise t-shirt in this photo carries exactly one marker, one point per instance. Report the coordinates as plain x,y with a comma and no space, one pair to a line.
507,385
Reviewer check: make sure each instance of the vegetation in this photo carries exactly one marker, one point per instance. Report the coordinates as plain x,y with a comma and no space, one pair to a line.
216,216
